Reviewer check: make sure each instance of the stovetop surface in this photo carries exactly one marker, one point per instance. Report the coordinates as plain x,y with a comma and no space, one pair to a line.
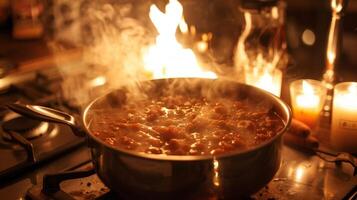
301,176
36,141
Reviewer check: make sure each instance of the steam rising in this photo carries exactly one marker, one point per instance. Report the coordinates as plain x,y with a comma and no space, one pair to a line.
114,43
119,42
260,51
116,38
219,91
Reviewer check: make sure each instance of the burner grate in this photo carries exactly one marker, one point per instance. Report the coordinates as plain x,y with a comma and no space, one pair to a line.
28,128
25,142
82,183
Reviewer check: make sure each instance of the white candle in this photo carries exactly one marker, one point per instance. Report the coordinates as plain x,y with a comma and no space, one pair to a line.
307,98
344,117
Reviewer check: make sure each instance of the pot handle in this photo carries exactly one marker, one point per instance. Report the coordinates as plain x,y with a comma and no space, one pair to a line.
47,114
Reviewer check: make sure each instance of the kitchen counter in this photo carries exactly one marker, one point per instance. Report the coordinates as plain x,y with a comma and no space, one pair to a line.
21,51
30,55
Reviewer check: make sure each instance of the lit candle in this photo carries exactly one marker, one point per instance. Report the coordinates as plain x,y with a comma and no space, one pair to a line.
307,98
344,117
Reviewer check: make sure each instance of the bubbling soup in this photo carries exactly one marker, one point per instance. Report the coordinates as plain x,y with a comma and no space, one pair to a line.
186,125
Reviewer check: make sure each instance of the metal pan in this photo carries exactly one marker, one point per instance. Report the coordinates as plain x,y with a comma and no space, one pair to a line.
134,175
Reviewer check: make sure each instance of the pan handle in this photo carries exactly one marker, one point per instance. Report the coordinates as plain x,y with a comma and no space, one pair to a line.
47,114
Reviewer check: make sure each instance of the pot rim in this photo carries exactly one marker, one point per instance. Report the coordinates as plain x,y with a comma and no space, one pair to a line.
162,157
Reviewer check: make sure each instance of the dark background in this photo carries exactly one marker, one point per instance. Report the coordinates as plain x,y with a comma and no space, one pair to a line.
305,61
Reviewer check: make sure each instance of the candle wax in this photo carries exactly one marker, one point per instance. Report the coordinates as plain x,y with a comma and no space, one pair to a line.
307,109
344,122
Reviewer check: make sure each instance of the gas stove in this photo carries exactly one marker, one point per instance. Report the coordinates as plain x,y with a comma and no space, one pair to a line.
43,160
301,176
24,142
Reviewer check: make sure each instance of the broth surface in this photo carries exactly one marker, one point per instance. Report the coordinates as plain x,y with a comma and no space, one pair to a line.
185,125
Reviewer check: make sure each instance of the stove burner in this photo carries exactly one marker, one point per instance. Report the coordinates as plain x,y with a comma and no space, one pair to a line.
28,128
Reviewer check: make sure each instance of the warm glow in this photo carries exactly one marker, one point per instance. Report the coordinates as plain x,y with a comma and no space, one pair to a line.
331,57
344,117
353,89
299,173
202,46
348,99
98,81
183,26
267,80
308,98
216,174
308,37
260,69
167,58
336,5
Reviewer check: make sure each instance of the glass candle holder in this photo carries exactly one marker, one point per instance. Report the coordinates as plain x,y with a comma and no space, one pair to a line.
307,99
344,117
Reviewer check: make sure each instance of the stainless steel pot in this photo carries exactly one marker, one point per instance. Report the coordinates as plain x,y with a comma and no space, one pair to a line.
134,175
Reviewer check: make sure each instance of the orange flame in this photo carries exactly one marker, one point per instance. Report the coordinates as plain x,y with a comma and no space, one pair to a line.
260,70
167,58
267,80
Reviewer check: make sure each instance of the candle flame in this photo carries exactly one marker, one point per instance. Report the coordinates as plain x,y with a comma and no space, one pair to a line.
308,98
167,58
307,88
336,5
